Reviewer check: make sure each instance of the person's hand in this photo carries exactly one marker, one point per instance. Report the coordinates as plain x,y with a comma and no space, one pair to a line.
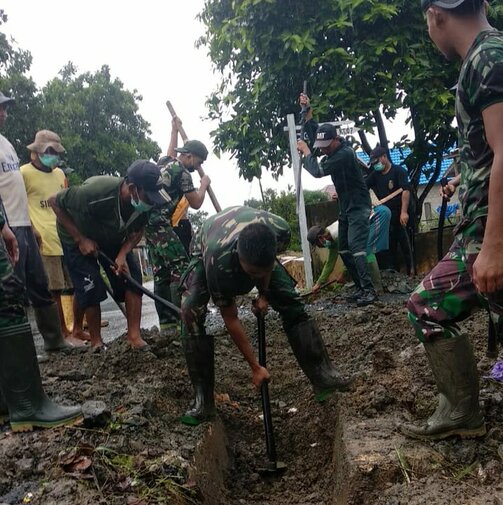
11,244
404,218
205,181
304,100
316,288
38,237
303,148
260,305
260,375
88,247
447,191
488,270
121,266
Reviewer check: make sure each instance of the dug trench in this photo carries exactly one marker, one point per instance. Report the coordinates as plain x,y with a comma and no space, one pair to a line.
347,450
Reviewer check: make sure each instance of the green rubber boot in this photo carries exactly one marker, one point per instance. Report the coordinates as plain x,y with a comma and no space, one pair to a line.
458,412
200,356
21,384
312,356
375,273
49,326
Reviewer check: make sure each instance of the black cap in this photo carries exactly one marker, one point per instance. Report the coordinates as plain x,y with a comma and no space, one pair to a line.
6,100
376,153
325,134
313,234
444,4
194,147
147,176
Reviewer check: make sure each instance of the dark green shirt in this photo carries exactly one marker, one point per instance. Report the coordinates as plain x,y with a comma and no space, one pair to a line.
95,209
346,174
216,245
480,85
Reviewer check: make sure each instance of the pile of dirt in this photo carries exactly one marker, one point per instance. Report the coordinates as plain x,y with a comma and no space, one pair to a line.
143,454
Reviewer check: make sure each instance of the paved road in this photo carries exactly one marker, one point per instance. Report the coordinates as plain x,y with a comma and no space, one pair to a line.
111,313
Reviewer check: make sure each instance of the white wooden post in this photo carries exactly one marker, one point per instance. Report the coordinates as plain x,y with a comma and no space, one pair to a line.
292,136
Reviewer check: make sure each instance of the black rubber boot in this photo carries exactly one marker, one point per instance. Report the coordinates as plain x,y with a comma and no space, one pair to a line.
458,413
200,356
21,384
367,297
49,326
312,356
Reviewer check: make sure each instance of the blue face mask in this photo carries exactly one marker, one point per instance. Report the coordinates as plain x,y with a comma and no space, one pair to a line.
379,167
327,243
140,206
49,160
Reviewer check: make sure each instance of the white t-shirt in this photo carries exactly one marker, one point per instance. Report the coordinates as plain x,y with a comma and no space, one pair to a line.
12,190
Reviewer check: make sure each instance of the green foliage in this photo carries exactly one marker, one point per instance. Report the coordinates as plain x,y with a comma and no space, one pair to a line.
359,57
95,116
284,205
197,219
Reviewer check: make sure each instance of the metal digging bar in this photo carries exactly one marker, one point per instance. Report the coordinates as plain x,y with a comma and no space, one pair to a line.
142,288
274,465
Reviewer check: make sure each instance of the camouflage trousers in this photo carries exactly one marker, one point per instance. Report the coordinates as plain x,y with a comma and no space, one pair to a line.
169,260
12,292
447,295
282,298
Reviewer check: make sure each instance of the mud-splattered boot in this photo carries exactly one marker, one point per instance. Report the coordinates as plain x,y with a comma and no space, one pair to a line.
312,356
199,353
458,412
21,384
49,325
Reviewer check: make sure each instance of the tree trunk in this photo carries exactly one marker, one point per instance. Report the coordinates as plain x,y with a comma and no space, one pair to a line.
365,141
381,130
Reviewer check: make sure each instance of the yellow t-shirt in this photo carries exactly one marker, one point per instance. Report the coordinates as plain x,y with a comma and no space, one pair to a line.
39,187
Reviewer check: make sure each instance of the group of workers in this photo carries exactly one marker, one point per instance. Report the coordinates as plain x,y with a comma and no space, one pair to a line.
236,250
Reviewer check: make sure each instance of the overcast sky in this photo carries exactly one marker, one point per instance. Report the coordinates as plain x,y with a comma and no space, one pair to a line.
149,46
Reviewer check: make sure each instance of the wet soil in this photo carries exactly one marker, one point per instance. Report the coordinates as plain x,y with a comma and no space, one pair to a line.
143,455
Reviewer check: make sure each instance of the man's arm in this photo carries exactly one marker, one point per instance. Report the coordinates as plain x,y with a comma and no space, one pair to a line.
404,214
10,242
488,267
129,244
196,198
86,245
329,266
238,335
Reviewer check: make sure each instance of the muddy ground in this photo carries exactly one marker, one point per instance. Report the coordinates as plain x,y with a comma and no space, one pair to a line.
142,455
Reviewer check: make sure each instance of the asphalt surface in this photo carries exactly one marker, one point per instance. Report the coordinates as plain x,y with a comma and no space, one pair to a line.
111,313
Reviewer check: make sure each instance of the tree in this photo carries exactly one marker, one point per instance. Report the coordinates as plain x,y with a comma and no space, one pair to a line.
197,219
284,205
98,121
14,81
363,59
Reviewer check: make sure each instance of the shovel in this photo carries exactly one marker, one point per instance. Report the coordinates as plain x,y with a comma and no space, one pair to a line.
274,465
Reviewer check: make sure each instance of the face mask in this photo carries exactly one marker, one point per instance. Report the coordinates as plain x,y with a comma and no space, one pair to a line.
379,167
140,206
49,160
327,243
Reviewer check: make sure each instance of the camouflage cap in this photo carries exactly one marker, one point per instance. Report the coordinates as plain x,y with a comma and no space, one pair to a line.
194,147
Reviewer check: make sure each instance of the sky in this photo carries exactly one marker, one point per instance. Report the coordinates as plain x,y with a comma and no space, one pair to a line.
149,46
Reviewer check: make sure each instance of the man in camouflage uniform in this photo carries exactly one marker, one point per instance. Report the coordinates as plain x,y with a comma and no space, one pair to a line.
234,251
22,398
167,253
470,276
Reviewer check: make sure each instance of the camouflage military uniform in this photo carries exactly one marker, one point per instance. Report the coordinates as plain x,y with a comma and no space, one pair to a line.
447,295
215,272
11,289
167,254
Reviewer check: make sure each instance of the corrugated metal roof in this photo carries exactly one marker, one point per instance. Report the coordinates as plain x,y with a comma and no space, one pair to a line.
398,156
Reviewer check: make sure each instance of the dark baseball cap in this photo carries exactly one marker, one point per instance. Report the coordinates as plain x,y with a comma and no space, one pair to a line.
376,153
6,100
194,147
325,134
444,4
313,234
147,176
